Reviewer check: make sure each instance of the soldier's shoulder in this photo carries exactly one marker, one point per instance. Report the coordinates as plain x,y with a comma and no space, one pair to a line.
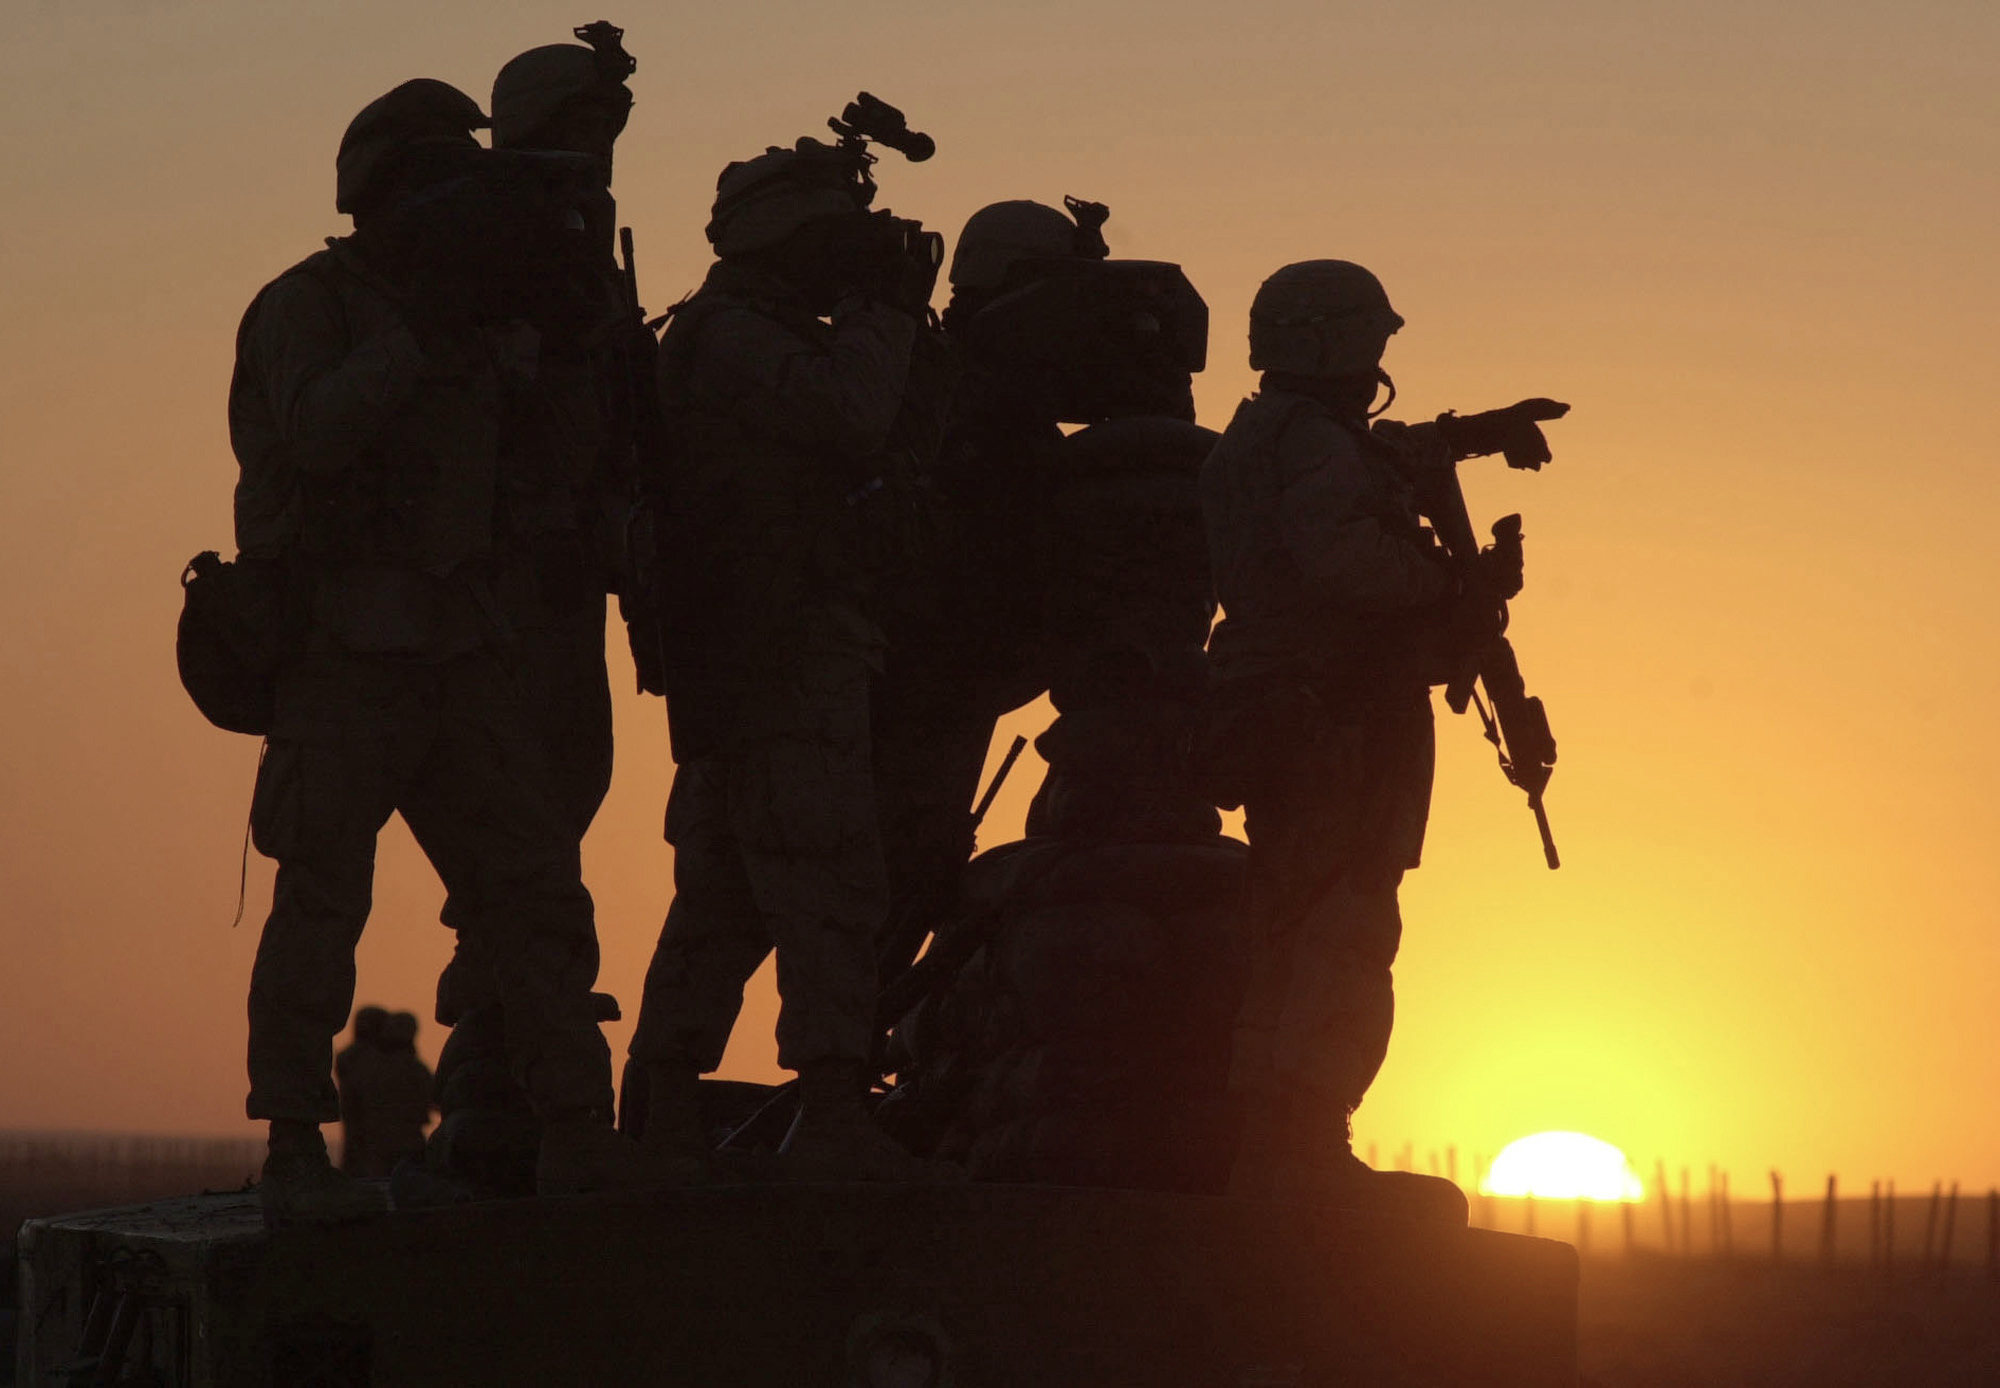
1289,426
311,282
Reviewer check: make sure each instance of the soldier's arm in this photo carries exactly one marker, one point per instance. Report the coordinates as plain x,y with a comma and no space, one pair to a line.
844,397
1351,557
329,400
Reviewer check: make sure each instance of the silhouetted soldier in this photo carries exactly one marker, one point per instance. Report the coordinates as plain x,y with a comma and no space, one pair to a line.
967,633
365,414
566,475
385,1093
782,419
1339,610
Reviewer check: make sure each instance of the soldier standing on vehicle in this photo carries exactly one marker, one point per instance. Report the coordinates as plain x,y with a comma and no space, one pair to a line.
1340,611
782,379
365,412
966,633
566,474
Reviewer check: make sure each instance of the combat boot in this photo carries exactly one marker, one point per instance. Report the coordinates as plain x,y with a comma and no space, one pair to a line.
582,1153
674,1140
1340,1178
299,1184
1282,1157
834,1138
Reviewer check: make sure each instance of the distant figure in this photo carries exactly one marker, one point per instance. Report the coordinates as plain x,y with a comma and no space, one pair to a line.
1340,611
385,1093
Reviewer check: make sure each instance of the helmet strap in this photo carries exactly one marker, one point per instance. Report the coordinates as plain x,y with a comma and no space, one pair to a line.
1384,378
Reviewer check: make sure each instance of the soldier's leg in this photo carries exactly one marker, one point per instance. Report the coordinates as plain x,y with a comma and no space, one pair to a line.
803,808
481,811
714,939
1337,1006
566,693
930,744
324,790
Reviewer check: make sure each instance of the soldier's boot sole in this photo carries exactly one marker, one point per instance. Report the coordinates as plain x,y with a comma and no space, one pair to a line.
1351,1184
851,1148
313,1193
582,1158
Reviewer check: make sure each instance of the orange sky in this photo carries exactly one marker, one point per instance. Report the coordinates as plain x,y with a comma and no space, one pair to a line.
1752,243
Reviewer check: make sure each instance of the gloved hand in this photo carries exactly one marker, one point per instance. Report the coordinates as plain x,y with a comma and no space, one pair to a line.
1515,431
1501,564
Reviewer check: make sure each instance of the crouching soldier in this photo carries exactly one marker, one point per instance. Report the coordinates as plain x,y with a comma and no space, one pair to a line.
364,414
1340,612
782,379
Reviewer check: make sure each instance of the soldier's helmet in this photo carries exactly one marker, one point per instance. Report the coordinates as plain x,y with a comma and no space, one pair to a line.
534,87
417,113
369,1024
399,1031
760,202
1001,235
1321,318
420,112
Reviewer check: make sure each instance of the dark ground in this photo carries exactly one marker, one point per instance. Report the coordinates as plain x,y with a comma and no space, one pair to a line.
1647,1320
1650,1322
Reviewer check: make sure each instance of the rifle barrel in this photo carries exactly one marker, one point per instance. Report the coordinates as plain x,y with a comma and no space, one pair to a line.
1014,751
1548,839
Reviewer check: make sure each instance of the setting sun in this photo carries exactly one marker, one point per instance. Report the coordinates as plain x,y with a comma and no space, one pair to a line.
1562,1166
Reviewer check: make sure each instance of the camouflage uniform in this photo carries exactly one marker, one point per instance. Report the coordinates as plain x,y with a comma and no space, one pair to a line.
563,474
770,650
1329,589
967,647
370,466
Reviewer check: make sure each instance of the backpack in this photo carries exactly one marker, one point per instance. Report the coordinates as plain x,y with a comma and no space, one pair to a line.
234,633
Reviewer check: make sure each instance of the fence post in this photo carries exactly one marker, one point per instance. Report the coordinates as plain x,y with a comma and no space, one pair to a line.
1687,1217
1530,1203
1950,1227
1666,1206
1728,1220
1715,1213
1888,1226
1993,1233
1626,1207
1777,1216
1827,1233
1931,1224
1874,1224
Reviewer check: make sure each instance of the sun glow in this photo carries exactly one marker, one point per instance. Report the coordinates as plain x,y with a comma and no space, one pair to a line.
1562,1166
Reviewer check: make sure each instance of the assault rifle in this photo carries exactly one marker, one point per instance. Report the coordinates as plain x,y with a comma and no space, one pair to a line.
640,600
1514,721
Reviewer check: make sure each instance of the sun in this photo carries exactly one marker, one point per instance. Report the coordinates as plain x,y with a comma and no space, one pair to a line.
1562,1166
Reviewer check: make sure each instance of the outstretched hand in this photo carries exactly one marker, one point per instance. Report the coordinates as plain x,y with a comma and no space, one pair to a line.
1515,431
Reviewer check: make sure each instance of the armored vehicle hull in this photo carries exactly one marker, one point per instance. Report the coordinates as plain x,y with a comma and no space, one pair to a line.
977,1286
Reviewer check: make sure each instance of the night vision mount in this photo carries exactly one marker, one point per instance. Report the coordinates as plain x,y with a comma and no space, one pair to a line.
607,40
868,117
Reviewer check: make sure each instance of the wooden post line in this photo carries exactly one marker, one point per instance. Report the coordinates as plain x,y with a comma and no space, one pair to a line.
1777,1216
